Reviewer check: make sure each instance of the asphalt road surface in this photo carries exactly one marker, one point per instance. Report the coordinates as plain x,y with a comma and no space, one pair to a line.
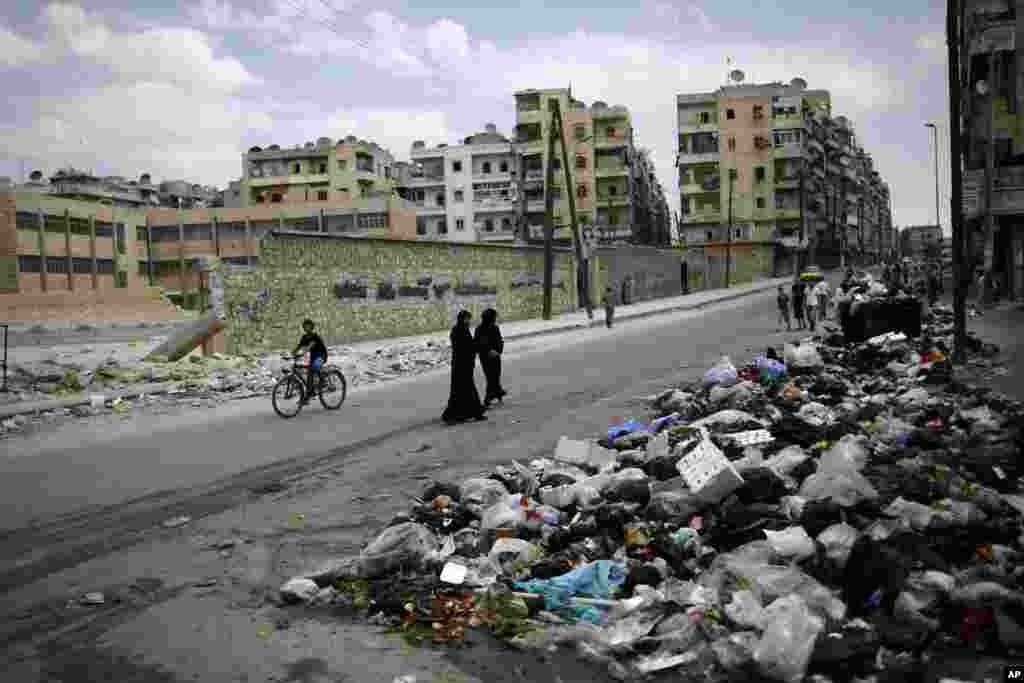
80,509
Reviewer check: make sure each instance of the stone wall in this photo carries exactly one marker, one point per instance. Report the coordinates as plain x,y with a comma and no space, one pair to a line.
358,288
750,262
655,273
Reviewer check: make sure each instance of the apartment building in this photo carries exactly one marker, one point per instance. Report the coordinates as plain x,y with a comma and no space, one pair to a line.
771,162
51,244
466,192
324,171
650,212
599,143
117,191
991,107
921,241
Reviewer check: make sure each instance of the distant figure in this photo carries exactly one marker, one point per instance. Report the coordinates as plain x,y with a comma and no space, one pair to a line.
821,296
811,306
798,303
609,306
783,301
490,346
463,400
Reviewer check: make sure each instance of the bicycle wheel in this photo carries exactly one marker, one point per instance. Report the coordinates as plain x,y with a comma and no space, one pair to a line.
333,388
287,396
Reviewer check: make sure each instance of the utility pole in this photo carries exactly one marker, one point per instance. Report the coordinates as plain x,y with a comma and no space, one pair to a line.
581,257
953,27
549,219
728,243
990,160
935,138
801,253
524,230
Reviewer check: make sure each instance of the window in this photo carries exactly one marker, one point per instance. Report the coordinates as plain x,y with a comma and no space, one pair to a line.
705,117
556,191
730,114
140,234
344,192
322,195
80,226
421,228
260,199
504,167
487,167
732,144
581,161
105,266
122,246
440,199
612,191
442,227
372,220
104,229
709,236
387,171
610,131
581,191
734,174
489,225
759,174
57,265
458,195
419,195
581,131
297,168
758,112
342,164
557,164
30,264
275,198
760,202
506,223
323,168
460,224
738,233
456,167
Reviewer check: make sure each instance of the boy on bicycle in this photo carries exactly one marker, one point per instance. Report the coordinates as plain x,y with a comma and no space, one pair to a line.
317,355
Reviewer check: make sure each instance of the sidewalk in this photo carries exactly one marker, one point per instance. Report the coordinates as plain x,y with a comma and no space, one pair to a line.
511,330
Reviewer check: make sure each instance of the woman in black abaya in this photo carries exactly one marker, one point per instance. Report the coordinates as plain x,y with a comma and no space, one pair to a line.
490,345
464,400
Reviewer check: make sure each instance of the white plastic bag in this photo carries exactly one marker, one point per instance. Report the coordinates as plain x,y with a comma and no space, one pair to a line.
407,543
791,543
847,488
790,632
723,373
482,492
506,513
804,357
515,549
915,515
847,453
746,610
838,541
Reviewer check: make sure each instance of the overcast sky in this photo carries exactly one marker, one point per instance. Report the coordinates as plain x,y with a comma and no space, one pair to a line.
180,90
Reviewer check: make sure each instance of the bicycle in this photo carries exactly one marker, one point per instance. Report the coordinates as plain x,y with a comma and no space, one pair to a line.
292,387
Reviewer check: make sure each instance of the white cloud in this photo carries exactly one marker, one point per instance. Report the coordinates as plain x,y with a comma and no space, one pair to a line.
674,16
176,55
394,129
18,51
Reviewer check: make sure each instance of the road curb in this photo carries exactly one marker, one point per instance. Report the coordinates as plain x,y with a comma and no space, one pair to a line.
10,411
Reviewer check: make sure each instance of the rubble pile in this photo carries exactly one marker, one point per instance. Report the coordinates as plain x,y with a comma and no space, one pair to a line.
844,512
215,378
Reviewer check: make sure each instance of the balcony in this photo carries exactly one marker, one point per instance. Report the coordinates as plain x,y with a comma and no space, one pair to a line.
295,179
787,182
485,204
612,141
493,177
530,146
426,180
704,216
424,209
787,213
535,206
791,150
698,158
611,170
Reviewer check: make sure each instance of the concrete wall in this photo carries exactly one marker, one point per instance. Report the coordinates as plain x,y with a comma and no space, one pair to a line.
656,273
373,288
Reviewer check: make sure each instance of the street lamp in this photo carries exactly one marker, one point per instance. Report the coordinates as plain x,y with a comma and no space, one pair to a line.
935,139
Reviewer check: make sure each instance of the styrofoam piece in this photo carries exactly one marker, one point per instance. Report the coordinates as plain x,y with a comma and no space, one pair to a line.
753,437
454,573
708,473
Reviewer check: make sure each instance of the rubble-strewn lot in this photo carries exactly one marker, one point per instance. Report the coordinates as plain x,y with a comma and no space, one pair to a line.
197,381
851,513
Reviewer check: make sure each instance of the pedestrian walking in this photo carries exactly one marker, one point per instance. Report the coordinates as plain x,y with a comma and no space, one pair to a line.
783,301
811,305
490,346
798,303
609,306
463,400
821,295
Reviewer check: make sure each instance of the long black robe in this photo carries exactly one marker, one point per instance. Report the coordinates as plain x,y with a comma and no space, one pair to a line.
487,339
464,400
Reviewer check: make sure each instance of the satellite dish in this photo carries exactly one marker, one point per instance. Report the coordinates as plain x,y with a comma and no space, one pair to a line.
736,76
798,83
982,88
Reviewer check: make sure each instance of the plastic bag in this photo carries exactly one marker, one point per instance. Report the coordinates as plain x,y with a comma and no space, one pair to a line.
736,650
914,515
847,488
482,492
785,461
723,373
816,415
518,548
626,427
403,544
838,541
663,422
847,453
804,357
788,641
746,610
509,512
791,543
793,507
595,580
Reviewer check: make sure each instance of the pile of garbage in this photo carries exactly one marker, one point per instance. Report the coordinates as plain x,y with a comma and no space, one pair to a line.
844,512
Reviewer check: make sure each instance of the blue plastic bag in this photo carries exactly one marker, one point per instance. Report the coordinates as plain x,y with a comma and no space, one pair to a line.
593,580
625,428
663,422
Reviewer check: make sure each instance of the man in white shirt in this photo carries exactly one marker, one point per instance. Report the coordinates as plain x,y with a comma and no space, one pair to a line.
820,293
